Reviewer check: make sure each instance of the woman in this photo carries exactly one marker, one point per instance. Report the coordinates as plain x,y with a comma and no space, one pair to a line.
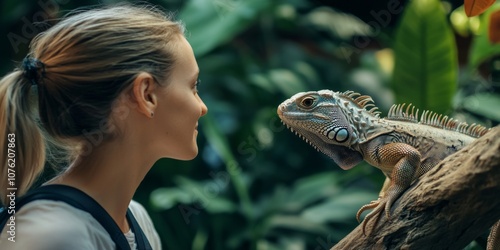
116,88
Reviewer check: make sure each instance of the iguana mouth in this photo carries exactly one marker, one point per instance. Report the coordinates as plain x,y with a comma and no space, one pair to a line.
294,116
291,116
300,135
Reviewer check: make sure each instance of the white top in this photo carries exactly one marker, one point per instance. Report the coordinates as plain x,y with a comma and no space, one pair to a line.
55,225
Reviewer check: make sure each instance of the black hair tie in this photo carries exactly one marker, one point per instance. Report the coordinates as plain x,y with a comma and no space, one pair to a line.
30,67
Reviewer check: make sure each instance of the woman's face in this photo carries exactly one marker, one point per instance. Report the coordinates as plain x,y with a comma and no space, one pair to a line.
180,107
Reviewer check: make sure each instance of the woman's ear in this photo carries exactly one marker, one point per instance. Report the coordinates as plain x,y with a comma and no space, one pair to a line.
143,94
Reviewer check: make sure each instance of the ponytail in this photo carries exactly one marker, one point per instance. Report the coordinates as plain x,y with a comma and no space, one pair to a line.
22,148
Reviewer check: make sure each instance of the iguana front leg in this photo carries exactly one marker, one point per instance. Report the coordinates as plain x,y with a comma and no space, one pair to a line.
400,161
494,237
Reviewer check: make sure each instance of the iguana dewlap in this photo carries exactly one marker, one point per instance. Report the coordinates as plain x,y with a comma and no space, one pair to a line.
404,145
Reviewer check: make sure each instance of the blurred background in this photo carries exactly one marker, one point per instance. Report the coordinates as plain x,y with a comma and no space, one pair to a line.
254,184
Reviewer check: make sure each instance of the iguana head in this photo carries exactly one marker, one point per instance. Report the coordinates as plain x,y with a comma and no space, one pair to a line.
330,121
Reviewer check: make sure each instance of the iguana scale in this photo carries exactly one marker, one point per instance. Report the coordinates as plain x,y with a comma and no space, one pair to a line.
347,127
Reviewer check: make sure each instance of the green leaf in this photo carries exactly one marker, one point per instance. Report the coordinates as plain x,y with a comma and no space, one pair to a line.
166,198
220,205
338,24
463,25
207,194
339,208
296,223
220,144
287,81
426,67
484,104
315,187
481,48
285,242
210,23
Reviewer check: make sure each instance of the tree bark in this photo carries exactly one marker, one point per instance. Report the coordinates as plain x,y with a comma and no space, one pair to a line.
447,208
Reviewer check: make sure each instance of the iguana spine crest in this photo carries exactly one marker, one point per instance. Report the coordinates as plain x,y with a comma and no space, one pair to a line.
398,113
363,101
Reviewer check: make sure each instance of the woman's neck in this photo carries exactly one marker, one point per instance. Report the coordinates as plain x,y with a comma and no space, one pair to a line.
110,174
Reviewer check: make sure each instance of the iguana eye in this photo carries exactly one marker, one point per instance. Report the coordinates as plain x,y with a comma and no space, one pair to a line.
307,102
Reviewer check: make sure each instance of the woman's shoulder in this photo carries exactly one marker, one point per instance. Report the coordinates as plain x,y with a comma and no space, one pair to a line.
46,224
144,220
140,213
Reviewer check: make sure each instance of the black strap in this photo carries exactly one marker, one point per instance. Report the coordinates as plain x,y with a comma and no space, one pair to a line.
140,239
82,201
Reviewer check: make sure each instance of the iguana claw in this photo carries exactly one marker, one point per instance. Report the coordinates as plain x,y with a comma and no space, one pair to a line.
378,206
371,205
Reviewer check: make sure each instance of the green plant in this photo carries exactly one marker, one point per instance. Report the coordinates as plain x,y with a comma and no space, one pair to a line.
426,65
255,185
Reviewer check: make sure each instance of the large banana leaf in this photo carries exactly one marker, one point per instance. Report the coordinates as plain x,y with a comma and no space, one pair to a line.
426,67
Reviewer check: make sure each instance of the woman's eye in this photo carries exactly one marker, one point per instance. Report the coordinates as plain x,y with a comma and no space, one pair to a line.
196,84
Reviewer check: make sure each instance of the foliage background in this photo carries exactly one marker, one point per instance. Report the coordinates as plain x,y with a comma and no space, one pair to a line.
254,184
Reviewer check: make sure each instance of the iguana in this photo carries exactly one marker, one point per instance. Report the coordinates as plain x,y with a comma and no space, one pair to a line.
347,127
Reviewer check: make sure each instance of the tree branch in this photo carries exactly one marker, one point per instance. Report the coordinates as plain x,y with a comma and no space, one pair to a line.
447,208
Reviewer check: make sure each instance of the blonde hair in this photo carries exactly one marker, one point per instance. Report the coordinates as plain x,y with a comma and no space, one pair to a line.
89,58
